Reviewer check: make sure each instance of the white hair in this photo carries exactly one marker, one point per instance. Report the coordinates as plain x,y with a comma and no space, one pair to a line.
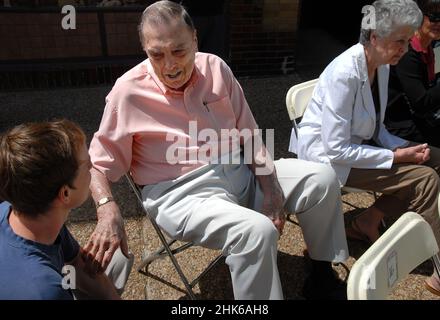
390,15
163,12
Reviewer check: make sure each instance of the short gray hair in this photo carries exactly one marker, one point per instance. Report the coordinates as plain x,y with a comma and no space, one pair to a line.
390,15
163,12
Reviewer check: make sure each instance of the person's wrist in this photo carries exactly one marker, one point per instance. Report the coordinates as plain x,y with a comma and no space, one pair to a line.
103,201
396,156
109,211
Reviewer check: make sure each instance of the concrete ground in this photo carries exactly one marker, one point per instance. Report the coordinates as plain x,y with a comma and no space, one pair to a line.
266,96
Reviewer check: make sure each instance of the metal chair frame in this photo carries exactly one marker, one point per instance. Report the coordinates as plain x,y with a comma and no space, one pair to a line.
166,250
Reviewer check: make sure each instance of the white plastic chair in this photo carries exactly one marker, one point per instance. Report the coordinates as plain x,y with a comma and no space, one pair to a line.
405,245
298,98
297,101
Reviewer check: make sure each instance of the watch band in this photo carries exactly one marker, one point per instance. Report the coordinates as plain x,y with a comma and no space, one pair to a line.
103,201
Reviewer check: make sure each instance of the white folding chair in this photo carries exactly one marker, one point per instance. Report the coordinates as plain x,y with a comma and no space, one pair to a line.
298,98
166,249
405,245
297,101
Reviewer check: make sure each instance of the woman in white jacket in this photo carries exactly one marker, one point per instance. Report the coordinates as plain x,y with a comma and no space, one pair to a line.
343,125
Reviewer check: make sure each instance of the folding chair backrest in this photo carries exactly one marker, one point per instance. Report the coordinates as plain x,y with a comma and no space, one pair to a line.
405,245
298,98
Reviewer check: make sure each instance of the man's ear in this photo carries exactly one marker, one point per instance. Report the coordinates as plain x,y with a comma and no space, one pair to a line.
196,40
373,38
64,194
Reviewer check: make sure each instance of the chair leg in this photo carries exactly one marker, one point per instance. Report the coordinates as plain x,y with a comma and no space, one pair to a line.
290,219
173,260
436,263
351,205
161,253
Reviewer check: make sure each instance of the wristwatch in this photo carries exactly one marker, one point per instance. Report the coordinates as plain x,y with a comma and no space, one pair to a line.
103,201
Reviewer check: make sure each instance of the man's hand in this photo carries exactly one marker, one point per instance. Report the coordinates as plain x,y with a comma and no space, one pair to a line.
109,234
96,286
273,202
273,207
418,154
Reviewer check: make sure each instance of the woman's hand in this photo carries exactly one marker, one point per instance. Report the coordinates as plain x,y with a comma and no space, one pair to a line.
418,154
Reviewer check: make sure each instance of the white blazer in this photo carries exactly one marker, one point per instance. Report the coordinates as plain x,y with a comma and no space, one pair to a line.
341,115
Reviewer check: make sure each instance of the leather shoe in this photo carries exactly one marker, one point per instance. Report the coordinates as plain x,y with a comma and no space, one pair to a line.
432,284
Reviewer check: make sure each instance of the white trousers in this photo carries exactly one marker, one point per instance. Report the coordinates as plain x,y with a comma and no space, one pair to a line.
118,271
217,206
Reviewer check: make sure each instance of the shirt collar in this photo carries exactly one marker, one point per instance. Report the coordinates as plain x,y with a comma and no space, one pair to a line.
417,46
16,240
361,61
427,56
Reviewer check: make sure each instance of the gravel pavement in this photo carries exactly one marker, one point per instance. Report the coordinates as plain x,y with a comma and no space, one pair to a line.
266,98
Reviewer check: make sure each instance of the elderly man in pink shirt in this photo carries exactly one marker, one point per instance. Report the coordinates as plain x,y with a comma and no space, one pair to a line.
170,121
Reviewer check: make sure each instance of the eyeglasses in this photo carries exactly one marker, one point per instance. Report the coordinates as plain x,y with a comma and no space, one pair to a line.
433,17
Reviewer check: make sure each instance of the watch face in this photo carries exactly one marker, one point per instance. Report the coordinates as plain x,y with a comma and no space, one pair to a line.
104,201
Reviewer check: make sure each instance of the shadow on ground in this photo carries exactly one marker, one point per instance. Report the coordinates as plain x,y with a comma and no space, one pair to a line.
266,97
217,284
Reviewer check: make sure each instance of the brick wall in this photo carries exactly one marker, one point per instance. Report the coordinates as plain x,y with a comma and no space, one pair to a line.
261,36
40,36
122,34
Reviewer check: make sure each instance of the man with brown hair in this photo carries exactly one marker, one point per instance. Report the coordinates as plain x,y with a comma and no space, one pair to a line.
44,173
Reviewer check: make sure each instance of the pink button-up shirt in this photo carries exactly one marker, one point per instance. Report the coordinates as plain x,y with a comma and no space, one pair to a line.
143,120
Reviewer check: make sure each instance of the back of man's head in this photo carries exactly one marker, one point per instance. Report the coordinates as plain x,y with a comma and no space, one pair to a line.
163,13
36,160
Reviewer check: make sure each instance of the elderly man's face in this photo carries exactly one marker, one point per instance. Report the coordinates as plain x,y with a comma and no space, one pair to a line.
171,49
